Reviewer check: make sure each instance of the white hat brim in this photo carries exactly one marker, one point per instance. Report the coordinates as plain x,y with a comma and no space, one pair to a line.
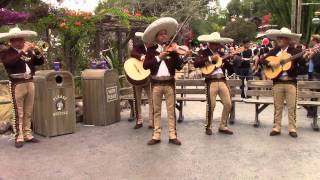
21,34
211,39
167,23
275,35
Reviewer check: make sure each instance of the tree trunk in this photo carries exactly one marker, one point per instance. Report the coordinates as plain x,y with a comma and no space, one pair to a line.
69,45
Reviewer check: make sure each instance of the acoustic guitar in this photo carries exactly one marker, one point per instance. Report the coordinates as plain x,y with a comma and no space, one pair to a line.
283,62
135,73
211,67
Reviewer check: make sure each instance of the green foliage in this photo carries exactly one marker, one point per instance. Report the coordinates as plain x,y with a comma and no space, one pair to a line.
281,12
123,17
212,24
240,30
281,15
247,8
234,7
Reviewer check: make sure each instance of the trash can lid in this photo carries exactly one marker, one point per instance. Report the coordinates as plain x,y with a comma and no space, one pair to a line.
93,73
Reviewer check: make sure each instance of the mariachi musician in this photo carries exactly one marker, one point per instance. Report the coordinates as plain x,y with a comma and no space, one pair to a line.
19,61
139,52
285,84
162,61
216,81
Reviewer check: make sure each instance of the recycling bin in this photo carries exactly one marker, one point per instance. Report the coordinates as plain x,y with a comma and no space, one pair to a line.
54,107
100,92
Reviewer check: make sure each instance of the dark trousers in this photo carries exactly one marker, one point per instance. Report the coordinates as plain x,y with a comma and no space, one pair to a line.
245,74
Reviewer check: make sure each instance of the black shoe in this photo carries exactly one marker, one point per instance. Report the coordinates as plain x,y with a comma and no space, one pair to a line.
293,134
225,131
19,144
274,133
175,141
33,140
150,127
153,142
138,126
209,131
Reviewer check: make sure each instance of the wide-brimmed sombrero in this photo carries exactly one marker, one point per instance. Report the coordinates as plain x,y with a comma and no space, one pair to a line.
283,32
214,38
17,33
166,23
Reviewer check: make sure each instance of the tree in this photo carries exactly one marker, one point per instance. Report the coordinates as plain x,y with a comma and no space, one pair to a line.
240,30
234,8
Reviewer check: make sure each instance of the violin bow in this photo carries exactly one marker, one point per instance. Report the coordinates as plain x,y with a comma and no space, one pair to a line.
176,34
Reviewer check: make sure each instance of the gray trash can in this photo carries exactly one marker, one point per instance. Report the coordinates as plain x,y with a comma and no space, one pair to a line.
101,102
54,108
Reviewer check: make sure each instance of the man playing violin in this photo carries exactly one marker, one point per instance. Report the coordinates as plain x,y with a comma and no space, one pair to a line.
285,85
216,81
139,52
19,61
163,65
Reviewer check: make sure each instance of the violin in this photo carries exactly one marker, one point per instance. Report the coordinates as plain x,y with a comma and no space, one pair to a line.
180,50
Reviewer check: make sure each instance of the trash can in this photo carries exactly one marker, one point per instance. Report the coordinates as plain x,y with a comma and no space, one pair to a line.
100,92
54,107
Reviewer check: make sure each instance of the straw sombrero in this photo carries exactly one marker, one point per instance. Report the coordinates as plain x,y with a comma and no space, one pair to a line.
283,32
214,38
17,33
167,23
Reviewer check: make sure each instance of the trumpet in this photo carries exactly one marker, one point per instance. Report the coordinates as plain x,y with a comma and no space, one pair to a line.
38,48
41,46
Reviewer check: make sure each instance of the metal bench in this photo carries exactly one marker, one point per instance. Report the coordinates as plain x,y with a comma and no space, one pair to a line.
262,91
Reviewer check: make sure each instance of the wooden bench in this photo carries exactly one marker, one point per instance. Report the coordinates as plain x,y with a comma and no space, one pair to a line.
186,87
261,92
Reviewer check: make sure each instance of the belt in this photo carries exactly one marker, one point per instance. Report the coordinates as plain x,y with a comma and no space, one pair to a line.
247,59
21,76
215,76
286,78
162,78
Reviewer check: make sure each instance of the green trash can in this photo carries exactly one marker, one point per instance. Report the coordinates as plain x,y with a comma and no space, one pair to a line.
54,107
100,92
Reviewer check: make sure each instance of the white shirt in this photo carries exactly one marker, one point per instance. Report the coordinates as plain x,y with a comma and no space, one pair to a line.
163,69
28,70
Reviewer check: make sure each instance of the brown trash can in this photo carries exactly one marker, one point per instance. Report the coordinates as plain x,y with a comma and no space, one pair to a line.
54,108
100,92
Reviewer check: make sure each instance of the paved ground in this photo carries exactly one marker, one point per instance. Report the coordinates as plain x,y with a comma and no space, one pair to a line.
119,152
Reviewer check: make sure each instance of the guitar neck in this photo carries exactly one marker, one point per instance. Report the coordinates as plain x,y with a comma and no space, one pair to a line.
295,57
299,55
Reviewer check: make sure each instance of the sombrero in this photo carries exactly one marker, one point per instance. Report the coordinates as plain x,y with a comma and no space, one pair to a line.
283,32
214,38
166,23
17,33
